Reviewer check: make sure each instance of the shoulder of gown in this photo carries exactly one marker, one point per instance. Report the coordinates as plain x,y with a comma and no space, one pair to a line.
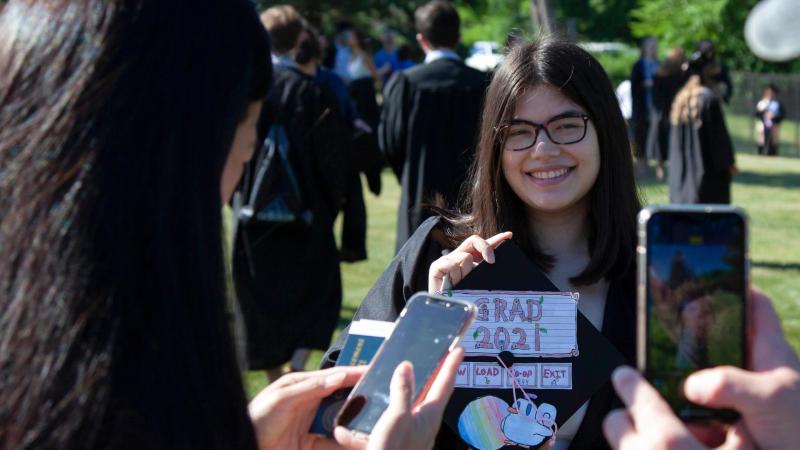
406,275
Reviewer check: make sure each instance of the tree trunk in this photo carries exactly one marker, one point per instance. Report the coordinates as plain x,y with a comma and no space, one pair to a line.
542,15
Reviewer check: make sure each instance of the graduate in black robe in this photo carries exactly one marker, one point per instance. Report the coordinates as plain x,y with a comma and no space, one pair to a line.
701,152
642,80
669,79
585,244
408,274
363,148
427,133
283,311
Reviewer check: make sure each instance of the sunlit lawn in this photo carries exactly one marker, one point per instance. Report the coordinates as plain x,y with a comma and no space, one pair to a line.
768,189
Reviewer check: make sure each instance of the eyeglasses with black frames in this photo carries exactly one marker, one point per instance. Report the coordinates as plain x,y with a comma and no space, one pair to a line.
521,134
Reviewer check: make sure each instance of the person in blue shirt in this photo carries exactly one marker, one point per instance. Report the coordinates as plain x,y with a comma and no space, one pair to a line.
642,77
387,59
404,60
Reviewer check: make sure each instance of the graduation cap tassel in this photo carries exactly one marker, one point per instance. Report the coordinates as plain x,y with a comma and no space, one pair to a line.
514,384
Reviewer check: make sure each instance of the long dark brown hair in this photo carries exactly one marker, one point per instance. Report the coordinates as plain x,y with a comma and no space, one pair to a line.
116,119
493,207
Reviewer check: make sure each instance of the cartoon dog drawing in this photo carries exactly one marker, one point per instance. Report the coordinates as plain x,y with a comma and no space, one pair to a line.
526,425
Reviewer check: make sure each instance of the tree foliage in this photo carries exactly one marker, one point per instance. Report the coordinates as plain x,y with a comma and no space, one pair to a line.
492,20
681,23
597,20
676,23
369,16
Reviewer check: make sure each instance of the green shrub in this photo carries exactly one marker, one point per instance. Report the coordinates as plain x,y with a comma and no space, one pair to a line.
617,64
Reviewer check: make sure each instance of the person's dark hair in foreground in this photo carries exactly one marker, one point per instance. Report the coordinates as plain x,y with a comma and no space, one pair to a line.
116,122
429,120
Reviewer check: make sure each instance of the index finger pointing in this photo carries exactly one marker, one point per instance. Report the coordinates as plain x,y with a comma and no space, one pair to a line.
492,243
498,238
483,248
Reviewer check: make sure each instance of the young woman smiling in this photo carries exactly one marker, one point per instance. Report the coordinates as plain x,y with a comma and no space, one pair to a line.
553,171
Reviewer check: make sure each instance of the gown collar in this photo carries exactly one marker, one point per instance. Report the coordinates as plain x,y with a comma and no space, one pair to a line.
283,60
433,55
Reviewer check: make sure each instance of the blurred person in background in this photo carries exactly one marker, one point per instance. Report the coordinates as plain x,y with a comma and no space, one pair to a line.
362,75
642,79
340,51
285,316
701,158
669,78
430,119
387,59
713,73
363,155
404,58
623,93
770,113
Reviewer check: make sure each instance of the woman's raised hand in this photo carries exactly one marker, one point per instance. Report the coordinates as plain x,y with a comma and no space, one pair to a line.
458,263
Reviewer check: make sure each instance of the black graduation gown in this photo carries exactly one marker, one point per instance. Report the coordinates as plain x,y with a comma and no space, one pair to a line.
640,113
700,158
282,308
665,87
715,74
428,129
408,274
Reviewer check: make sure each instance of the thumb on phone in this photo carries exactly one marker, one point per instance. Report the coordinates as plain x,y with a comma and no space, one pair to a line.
401,390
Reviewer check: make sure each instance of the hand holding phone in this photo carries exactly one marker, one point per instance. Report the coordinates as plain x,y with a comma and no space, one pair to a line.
428,329
692,297
767,396
403,426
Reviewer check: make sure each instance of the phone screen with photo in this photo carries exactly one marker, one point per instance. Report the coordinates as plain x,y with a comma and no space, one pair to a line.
696,288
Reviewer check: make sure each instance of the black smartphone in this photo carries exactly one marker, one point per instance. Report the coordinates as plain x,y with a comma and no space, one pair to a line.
428,328
692,298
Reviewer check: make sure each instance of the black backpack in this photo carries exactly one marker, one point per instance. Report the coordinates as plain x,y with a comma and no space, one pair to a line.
271,197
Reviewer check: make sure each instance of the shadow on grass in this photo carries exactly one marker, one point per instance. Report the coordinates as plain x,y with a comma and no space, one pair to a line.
781,179
789,180
749,147
776,265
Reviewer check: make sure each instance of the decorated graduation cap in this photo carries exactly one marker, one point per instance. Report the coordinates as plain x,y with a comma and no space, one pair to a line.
531,358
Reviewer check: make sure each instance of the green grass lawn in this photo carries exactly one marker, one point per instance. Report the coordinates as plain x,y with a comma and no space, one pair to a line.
768,189
742,130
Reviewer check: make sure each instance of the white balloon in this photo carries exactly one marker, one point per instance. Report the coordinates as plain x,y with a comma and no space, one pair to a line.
772,30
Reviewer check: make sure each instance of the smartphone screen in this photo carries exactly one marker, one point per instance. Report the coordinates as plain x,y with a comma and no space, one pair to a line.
424,334
696,297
